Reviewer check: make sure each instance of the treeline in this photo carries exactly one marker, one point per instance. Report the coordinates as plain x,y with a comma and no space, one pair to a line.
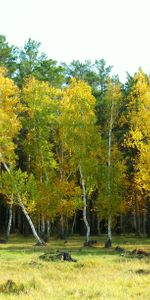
74,146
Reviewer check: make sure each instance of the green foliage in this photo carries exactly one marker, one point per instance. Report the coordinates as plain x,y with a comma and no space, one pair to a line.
28,60
31,62
20,183
115,201
41,103
49,70
112,170
92,123
7,56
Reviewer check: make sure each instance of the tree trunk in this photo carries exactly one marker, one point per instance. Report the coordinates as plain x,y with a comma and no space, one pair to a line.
73,224
109,176
148,217
137,215
42,225
14,218
48,228
98,225
144,224
39,241
9,221
109,237
121,224
39,225
62,227
19,215
109,228
84,206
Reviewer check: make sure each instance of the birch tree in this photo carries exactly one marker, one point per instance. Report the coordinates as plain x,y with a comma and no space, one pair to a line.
40,124
110,191
9,129
80,136
137,140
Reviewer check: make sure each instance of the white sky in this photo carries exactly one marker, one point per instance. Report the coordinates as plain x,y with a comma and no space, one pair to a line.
116,30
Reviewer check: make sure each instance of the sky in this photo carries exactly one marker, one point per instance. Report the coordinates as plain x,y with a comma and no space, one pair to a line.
115,30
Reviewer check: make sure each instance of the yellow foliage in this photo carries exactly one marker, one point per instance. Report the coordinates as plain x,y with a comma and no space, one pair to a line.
9,121
138,137
78,131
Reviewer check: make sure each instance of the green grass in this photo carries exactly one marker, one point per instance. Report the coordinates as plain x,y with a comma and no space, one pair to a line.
98,273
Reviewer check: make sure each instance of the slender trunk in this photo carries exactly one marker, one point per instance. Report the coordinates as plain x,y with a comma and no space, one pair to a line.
48,228
14,218
9,221
137,215
42,225
121,224
109,166
134,222
144,224
66,228
73,224
84,206
109,228
109,237
30,221
62,227
148,217
98,225
92,222
39,225
23,207
19,220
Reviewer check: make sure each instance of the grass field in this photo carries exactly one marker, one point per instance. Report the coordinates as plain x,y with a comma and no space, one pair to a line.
98,273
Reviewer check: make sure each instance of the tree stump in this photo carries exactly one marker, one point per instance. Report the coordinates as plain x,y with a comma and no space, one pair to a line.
108,243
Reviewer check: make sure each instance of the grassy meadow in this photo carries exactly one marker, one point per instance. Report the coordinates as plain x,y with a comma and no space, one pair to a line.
99,273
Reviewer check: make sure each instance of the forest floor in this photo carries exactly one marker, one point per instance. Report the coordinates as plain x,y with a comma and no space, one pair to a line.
99,273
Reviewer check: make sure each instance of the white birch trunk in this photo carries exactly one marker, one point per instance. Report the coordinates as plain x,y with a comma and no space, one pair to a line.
62,227
109,166
84,206
109,228
62,223
23,207
73,224
9,221
48,228
30,221
42,224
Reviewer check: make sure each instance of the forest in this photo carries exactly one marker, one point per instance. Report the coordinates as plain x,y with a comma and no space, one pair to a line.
74,147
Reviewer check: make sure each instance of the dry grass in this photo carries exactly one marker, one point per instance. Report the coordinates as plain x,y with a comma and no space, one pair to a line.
98,274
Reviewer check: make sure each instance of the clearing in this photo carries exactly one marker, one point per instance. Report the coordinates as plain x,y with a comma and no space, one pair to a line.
99,273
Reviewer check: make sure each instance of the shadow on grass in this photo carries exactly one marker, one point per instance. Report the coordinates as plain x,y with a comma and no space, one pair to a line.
80,252
74,245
